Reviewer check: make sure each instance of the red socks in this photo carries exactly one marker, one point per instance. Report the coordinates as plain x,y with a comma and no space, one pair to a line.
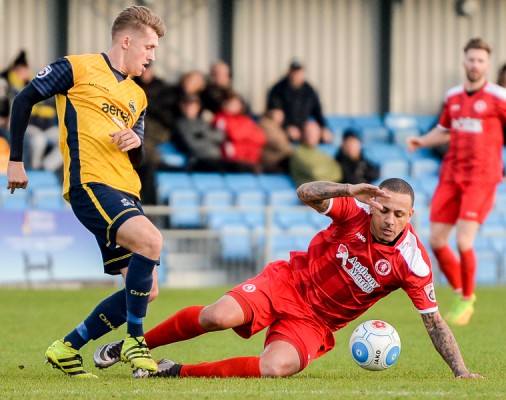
450,266
181,326
468,265
242,367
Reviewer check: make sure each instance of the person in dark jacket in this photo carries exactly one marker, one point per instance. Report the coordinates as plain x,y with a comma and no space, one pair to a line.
299,101
356,168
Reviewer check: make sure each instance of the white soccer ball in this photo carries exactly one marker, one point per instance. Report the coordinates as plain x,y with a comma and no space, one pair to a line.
375,345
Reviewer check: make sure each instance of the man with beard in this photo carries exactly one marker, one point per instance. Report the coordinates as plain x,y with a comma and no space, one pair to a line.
471,122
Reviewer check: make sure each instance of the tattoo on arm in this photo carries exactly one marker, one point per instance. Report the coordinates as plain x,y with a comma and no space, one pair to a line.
444,342
317,194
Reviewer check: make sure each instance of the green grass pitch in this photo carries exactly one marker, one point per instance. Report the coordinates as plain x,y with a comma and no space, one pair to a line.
31,319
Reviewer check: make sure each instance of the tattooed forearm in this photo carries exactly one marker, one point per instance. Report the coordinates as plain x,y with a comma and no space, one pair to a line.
317,194
444,342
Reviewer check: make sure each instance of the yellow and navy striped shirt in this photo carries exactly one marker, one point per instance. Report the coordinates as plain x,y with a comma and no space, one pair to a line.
94,100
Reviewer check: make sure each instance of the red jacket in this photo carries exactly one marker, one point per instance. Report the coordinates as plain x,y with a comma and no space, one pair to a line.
244,138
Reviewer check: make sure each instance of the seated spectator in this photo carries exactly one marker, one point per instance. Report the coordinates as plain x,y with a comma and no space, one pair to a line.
310,164
160,115
244,138
278,149
219,84
356,169
299,102
202,143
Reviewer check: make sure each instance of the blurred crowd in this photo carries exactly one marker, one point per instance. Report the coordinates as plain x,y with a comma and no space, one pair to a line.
211,124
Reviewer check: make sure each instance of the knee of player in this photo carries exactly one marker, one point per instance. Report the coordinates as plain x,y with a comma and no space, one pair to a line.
213,319
152,243
278,368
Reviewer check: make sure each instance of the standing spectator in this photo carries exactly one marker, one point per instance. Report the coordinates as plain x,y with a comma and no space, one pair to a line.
160,115
471,121
356,168
17,75
244,138
102,127
299,102
368,251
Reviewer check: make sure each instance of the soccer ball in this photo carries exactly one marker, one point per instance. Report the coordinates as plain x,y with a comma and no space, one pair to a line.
375,345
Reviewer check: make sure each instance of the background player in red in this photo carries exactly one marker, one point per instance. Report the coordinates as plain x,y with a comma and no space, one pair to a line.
471,121
368,251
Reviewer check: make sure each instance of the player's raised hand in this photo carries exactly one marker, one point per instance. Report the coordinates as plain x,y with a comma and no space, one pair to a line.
126,139
16,176
366,193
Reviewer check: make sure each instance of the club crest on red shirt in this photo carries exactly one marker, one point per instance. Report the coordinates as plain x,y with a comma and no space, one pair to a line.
383,267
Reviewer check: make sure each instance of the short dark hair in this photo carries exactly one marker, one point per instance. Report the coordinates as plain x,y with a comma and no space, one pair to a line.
398,185
478,43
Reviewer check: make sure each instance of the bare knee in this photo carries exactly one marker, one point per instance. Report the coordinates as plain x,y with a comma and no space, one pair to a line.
279,368
225,313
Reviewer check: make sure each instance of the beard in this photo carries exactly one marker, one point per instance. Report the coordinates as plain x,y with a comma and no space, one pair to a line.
473,76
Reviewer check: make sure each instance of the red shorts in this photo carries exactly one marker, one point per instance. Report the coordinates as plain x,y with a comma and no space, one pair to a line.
453,201
271,300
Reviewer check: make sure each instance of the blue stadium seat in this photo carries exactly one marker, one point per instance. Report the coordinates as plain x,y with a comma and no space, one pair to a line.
273,182
487,272
338,124
319,221
395,121
394,168
236,244
429,184
47,198
399,136
379,152
218,219
171,156
19,200
252,199
281,246
422,167
288,218
216,200
426,122
38,179
205,181
282,198
371,128
185,209
167,182
240,182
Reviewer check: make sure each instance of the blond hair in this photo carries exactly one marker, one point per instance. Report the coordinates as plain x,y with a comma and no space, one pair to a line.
138,17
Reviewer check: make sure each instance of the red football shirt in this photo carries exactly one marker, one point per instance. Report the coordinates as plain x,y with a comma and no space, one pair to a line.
344,272
475,124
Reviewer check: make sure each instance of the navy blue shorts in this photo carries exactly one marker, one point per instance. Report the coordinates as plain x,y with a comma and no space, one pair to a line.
102,210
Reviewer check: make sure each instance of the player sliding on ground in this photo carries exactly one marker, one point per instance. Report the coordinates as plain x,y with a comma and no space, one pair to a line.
369,250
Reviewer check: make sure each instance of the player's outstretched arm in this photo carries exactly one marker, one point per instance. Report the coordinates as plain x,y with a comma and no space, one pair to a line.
445,343
433,138
317,194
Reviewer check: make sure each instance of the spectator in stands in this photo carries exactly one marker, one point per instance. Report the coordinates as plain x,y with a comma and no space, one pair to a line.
202,143
17,75
299,102
356,168
471,122
277,149
191,83
219,84
5,108
308,163
160,115
244,138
